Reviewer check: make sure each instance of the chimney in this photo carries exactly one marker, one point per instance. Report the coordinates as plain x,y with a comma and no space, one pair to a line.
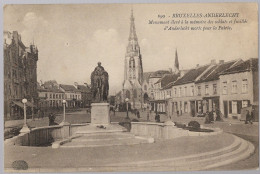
221,61
213,62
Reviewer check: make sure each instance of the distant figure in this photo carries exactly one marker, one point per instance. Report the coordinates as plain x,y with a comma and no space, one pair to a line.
138,114
248,117
207,118
52,118
148,115
252,115
157,118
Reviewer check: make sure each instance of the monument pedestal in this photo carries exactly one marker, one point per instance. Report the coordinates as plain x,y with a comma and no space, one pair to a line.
100,114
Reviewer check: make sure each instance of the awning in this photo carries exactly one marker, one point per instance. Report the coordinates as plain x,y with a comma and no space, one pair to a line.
211,97
30,104
18,103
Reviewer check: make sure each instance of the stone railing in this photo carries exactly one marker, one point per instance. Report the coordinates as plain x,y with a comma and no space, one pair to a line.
42,136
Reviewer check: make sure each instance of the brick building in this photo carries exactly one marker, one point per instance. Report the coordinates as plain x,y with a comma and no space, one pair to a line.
20,75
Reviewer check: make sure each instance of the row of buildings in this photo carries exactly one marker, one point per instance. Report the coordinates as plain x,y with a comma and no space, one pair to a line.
20,81
227,86
51,94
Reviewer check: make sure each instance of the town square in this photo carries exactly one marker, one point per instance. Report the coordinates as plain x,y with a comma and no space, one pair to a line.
114,88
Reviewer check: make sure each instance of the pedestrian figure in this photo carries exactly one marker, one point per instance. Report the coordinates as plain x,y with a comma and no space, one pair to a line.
157,118
247,116
114,110
207,118
252,116
52,119
211,116
138,114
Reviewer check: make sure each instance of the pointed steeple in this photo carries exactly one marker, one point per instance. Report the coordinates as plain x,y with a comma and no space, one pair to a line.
176,63
132,35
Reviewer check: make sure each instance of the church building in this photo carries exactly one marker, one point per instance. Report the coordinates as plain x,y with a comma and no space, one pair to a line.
133,70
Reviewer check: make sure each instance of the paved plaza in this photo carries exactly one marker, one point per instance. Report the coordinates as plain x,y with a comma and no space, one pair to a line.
38,157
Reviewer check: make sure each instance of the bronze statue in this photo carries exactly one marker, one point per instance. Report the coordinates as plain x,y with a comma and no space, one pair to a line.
99,84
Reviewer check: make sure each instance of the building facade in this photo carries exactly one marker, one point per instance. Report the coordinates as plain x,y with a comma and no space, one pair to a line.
72,96
239,88
20,76
86,94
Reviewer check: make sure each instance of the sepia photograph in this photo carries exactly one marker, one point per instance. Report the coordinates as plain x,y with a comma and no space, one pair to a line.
130,87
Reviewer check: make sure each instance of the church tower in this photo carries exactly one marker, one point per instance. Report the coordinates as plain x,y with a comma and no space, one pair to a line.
133,70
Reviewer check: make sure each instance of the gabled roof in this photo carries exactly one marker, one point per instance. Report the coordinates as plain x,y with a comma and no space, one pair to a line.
159,74
191,75
55,90
168,79
213,73
69,88
250,64
83,88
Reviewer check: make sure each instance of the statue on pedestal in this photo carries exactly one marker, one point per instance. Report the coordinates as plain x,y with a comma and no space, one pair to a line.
99,84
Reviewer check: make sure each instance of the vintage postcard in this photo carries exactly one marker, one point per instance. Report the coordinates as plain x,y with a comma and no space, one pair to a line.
130,87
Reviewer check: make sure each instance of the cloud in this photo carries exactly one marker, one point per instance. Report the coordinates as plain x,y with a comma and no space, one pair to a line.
34,27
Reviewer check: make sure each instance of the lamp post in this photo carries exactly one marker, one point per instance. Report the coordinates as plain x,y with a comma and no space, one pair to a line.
25,128
167,105
127,107
64,106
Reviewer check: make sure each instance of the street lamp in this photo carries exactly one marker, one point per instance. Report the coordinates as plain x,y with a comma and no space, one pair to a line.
64,106
127,107
25,128
167,105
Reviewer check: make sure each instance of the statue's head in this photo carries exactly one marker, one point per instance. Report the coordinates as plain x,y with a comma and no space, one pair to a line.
99,63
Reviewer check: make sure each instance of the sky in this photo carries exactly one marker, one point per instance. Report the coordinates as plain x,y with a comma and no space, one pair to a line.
71,39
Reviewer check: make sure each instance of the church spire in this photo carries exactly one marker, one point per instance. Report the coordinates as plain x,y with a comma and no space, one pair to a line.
176,63
132,35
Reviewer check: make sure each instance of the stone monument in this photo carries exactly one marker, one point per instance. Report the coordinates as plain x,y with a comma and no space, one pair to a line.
99,89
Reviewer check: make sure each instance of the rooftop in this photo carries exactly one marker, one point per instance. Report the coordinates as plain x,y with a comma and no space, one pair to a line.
69,88
191,75
250,64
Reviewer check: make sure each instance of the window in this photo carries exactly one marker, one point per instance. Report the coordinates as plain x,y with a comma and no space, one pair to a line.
214,88
175,92
224,88
132,63
206,89
53,95
192,90
180,91
234,86
199,90
50,95
185,91
244,86
46,96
